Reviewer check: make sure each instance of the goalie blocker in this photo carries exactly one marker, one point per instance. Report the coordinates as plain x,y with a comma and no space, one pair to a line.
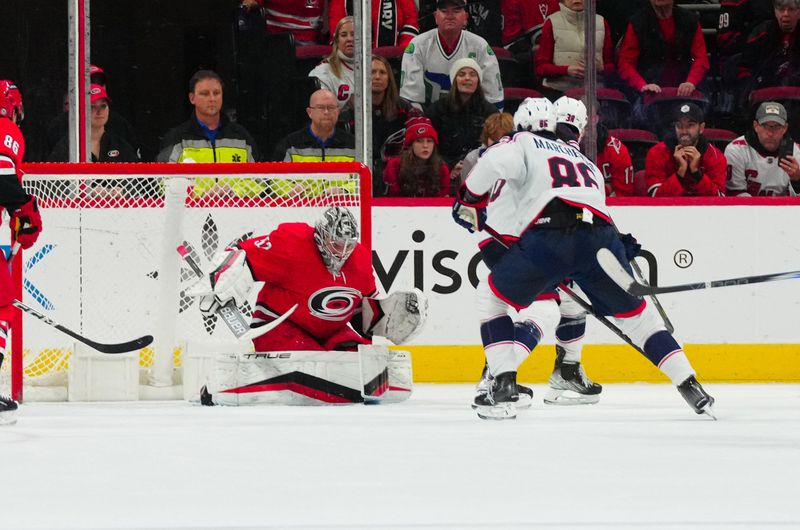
373,374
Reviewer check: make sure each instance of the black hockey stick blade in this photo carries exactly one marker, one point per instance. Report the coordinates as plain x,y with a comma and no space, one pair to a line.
616,272
119,347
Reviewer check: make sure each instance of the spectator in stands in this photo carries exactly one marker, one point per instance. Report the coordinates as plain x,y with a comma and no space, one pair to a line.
419,171
495,127
737,18
117,123
320,141
394,22
429,58
485,18
560,57
764,161
614,160
772,51
106,146
523,21
459,115
663,46
335,73
209,136
685,163
301,18
389,115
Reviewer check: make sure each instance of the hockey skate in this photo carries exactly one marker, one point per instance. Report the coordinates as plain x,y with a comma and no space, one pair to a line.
696,396
525,393
8,411
205,397
499,402
569,384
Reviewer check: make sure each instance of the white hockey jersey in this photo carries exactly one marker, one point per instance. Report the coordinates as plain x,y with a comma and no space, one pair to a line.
342,87
751,174
523,173
425,70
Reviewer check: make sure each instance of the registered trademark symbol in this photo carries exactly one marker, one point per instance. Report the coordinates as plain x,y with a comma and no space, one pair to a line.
683,258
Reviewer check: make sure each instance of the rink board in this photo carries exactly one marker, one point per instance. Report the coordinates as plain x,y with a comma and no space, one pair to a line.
746,333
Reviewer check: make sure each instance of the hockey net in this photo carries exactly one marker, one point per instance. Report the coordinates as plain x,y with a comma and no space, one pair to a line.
106,264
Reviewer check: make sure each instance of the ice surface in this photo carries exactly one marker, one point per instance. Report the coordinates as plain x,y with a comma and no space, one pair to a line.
638,459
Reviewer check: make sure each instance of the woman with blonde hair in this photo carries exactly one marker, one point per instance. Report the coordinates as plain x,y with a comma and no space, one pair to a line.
335,73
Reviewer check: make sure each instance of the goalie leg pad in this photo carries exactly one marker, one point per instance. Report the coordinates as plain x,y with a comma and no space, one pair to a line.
398,317
311,377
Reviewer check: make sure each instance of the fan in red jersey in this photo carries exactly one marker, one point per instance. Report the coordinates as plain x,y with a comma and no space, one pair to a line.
26,223
327,273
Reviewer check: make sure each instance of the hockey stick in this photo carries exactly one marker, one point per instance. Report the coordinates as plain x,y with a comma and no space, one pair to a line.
229,313
120,347
659,308
616,272
578,300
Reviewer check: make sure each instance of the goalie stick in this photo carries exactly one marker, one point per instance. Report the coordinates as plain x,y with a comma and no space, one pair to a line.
580,301
616,272
229,313
120,347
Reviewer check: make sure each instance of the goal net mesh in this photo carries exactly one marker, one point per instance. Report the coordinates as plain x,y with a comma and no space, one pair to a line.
106,264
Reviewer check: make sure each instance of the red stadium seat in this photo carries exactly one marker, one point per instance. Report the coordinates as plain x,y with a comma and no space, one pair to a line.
513,96
638,142
659,109
615,109
389,52
775,93
314,51
509,66
640,184
719,137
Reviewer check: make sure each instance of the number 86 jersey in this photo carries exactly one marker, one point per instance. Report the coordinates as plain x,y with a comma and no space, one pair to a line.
12,148
521,174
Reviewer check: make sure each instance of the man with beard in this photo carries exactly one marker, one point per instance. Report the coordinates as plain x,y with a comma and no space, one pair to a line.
764,161
685,163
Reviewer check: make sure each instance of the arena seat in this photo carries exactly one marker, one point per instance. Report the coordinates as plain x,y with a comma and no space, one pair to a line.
660,108
719,137
513,96
615,109
638,142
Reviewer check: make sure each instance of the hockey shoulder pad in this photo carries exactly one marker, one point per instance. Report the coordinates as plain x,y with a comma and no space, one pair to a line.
398,317
469,210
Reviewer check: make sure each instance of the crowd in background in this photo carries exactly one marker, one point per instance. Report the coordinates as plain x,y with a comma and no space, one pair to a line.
702,98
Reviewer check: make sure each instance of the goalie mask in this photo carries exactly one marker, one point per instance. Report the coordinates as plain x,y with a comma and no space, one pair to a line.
10,101
336,236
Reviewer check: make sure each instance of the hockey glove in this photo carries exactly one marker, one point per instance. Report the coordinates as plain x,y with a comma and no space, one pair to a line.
632,247
469,210
230,279
26,223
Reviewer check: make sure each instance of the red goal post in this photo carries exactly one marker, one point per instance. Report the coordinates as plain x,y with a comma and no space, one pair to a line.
105,264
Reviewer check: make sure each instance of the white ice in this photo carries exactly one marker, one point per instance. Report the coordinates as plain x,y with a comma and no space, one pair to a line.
638,459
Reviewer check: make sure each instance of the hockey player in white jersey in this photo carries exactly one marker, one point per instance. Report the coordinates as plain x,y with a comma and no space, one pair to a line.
562,221
569,384
427,60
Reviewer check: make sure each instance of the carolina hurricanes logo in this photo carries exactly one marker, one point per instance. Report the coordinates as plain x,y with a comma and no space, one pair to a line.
334,303
344,92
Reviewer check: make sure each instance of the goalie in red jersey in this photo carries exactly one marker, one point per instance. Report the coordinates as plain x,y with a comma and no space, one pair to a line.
26,223
327,273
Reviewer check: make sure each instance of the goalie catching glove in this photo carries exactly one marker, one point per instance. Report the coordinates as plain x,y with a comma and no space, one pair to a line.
26,223
230,279
398,317
469,210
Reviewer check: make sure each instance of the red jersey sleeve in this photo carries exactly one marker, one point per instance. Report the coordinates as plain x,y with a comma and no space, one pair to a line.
543,65
12,148
617,168
715,170
628,59
700,64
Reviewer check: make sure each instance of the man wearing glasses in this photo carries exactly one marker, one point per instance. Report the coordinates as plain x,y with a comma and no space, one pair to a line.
319,141
764,161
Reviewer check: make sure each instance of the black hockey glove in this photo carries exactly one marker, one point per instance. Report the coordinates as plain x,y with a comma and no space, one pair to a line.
632,247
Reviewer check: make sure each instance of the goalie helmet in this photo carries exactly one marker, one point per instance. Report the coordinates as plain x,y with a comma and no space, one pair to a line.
336,236
535,114
572,112
10,101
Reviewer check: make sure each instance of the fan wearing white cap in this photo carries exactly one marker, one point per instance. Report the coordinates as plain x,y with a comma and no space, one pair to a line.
764,161
428,59
459,114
